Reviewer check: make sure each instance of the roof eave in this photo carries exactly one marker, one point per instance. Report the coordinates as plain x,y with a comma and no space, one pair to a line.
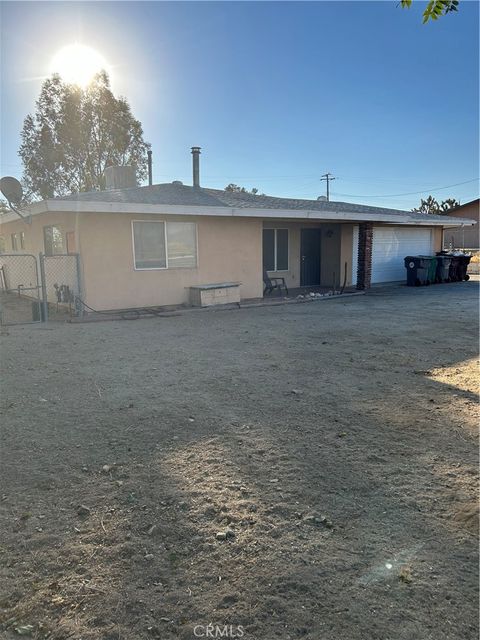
77,206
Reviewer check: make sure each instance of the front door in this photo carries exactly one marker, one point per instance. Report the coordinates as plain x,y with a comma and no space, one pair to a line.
310,257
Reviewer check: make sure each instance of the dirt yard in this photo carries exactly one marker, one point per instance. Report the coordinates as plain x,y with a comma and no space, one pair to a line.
299,471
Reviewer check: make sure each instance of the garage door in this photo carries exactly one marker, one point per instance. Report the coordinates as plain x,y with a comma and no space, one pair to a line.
391,245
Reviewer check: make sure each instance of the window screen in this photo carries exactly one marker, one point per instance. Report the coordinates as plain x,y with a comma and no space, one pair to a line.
149,245
282,249
182,244
269,249
275,249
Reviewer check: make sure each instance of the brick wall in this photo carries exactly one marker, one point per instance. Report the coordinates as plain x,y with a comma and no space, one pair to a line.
364,265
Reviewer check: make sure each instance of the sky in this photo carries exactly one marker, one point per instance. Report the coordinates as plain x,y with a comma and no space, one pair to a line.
275,93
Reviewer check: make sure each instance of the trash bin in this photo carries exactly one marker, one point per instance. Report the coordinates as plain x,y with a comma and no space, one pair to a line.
458,265
431,268
463,262
417,270
443,268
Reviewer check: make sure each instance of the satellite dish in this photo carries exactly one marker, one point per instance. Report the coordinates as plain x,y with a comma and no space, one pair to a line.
11,189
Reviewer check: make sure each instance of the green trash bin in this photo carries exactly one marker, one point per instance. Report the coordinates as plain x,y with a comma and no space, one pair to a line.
430,263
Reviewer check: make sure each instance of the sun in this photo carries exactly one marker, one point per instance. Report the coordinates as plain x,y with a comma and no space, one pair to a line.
77,64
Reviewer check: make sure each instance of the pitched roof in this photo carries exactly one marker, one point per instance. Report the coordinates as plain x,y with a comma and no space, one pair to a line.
180,194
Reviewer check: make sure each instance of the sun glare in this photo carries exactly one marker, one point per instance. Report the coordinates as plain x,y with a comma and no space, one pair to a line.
77,64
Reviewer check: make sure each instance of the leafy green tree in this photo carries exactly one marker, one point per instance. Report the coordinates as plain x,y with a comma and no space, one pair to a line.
234,188
431,205
435,8
447,205
75,134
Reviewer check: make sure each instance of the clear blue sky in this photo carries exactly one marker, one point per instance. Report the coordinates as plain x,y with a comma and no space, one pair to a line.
276,93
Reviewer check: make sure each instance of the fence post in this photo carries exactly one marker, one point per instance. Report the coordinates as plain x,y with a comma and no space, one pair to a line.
43,282
81,309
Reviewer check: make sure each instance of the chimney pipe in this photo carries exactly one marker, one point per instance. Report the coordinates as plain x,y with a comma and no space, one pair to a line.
150,179
196,166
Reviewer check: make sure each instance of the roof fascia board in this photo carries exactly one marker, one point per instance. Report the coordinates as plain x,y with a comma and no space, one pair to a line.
240,212
77,206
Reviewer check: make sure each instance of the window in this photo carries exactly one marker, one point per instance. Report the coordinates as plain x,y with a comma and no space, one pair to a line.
149,245
52,240
182,244
3,245
18,240
275,249
164,245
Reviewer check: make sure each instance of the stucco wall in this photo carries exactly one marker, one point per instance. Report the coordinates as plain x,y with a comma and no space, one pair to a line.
335,250
66,222
229,249
468,237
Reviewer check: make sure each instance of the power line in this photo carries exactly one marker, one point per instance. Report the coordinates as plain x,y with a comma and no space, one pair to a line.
410,193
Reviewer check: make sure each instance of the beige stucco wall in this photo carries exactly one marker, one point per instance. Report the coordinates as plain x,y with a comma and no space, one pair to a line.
34,232
335,250
229,249
466,237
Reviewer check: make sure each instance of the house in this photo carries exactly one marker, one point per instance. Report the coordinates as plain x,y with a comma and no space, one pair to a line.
464,236
147,246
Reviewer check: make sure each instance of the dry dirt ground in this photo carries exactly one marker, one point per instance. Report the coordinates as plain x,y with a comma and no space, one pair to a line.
331,444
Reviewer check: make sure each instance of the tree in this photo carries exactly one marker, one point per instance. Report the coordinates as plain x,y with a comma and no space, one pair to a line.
234,188
435,8
431,205
75,134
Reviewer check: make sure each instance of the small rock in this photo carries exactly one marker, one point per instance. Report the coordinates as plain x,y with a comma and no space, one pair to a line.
24,630
83,510
106,468
148,556
221,535
297,392
229,533
152,530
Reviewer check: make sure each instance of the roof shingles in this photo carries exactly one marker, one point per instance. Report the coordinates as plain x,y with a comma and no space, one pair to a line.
180,194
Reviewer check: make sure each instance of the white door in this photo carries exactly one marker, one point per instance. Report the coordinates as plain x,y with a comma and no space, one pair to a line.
391,245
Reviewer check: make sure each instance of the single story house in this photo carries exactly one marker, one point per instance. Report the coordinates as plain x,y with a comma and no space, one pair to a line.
147,246
464,236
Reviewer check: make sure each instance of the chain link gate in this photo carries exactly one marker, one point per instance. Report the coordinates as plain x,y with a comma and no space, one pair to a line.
37,291
60,279
20,289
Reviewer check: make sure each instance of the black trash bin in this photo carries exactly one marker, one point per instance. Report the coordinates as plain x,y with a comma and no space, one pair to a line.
463,262
417,270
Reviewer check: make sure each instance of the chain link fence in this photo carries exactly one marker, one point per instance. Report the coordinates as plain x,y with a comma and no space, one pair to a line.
20,289
60,275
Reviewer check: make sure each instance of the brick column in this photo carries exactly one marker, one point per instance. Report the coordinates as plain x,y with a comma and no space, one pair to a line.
364,264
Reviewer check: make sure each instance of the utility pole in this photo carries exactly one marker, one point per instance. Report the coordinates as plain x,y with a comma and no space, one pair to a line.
327,177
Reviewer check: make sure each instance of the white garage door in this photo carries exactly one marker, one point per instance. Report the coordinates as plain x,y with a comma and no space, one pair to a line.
391,245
